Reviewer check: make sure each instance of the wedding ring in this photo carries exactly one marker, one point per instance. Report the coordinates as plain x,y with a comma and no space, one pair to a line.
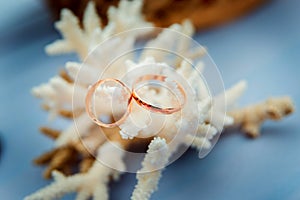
108,85
163,82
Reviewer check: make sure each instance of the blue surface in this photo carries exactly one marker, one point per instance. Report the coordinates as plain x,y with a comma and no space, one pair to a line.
262,48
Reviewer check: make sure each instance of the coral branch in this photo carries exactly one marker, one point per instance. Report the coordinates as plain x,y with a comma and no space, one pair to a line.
148,177
64,75
50,132
251,117
45,157
86,164
198,142
59,159
91,20
92,183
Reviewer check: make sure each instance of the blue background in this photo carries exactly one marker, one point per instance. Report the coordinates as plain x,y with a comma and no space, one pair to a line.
263,48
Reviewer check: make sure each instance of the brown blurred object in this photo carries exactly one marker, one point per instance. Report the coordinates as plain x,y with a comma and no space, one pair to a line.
203,13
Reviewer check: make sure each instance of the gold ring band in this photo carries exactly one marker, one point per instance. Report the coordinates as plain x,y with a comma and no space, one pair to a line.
149,106
132,95
89,106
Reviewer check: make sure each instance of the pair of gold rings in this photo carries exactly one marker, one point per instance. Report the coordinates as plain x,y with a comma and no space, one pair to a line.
133,95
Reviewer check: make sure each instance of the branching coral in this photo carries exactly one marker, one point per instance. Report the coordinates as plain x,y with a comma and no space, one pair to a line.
78,40
92,183
203,13
250,118
148,177
64,95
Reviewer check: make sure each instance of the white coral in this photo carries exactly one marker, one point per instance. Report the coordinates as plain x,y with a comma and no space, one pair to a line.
163,45
148,177
58,93
125,17
91,184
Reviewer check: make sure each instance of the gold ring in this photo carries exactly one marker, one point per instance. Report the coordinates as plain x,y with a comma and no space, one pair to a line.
90,106
163,80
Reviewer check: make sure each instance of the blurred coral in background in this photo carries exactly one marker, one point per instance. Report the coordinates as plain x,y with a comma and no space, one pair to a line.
163,13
